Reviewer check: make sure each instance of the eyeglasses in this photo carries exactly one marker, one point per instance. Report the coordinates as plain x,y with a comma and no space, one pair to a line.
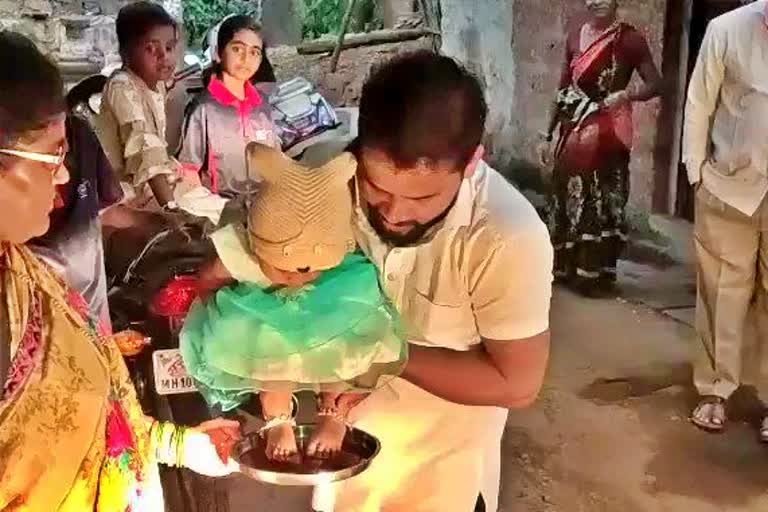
46,158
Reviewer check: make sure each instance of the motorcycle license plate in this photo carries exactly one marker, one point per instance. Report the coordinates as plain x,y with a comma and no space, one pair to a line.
171,377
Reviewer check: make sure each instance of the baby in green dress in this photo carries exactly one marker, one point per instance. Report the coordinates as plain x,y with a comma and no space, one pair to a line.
289,305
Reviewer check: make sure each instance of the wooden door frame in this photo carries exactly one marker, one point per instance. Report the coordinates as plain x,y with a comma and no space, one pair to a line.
674,67
681,85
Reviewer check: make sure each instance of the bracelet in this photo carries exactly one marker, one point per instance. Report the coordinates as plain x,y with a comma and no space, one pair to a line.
328,411
276,421
333,412
546,136
181,433
169,442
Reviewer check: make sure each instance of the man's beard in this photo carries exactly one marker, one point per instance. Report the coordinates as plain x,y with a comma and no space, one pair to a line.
413,236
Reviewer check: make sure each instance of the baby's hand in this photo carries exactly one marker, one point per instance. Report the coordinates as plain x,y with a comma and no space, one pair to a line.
212,276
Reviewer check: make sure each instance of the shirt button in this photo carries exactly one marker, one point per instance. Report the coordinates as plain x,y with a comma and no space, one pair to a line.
391,277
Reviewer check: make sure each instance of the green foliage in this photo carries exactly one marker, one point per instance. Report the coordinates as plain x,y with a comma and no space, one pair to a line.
324,17
201,15
319,17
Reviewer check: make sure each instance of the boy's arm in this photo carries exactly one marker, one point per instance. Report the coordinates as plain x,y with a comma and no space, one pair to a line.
162,189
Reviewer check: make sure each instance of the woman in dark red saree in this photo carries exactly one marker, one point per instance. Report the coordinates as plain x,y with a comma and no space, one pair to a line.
593,110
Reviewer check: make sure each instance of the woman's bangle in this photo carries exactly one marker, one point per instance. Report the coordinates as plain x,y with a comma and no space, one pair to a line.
545,136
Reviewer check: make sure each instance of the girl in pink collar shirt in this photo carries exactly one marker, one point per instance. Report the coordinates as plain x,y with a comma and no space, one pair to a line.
231,113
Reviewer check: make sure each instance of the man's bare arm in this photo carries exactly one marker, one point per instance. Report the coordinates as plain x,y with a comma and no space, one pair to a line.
498,373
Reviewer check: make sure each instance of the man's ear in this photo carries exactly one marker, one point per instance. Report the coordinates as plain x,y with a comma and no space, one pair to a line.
471,167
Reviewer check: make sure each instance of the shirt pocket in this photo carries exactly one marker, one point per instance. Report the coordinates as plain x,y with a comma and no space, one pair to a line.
729,166
708,200
442,321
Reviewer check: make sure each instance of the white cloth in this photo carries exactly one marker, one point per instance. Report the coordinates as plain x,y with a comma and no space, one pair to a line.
486,272
726,119
200,456
201,202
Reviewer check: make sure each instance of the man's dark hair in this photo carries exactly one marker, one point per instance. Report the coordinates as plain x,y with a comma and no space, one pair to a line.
31,88
422,106
135,20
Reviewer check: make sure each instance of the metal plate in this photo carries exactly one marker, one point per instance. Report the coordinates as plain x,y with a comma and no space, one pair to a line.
171,377
359,449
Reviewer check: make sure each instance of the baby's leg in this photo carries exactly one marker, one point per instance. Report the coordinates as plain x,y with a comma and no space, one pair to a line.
281,442
332,410
347,401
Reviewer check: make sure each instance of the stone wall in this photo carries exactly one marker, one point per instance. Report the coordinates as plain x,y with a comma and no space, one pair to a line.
77,34
282,21
343,87
480,34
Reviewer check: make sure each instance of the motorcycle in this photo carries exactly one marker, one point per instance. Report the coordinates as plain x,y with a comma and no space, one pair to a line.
152,264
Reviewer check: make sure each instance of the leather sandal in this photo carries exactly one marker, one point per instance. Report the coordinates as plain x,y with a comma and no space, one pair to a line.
711,426
763,432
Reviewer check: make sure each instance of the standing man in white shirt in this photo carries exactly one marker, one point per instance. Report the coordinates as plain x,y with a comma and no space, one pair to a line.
726,154
468,264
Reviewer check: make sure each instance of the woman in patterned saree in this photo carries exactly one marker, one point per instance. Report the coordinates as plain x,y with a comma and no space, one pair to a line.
590,184
72,433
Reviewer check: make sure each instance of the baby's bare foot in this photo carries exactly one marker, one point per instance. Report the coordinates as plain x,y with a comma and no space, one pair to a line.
281,442
328,437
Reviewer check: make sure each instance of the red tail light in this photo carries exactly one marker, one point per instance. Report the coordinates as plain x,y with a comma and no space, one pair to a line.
175,298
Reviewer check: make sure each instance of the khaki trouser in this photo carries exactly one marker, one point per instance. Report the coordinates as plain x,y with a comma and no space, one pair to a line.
732,303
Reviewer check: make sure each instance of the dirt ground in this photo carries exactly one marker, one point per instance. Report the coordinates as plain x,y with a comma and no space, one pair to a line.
610,432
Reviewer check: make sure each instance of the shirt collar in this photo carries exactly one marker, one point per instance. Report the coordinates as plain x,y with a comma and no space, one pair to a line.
461,214
219,91
160,91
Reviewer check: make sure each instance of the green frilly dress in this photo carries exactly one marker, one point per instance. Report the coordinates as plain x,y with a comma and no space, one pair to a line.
338,333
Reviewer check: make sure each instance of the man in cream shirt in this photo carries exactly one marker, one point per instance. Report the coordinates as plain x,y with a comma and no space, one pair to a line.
468,264
726,154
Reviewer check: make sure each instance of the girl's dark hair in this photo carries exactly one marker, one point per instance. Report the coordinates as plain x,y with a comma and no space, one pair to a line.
135,20
31,88
231,26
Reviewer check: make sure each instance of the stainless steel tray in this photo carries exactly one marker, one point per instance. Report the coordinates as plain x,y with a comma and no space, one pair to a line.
359,449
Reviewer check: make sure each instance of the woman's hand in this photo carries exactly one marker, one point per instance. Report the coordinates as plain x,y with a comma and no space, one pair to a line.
544,152
223,433
544,149
616,99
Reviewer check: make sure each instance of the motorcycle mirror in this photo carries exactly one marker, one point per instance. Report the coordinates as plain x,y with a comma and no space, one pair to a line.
94,103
